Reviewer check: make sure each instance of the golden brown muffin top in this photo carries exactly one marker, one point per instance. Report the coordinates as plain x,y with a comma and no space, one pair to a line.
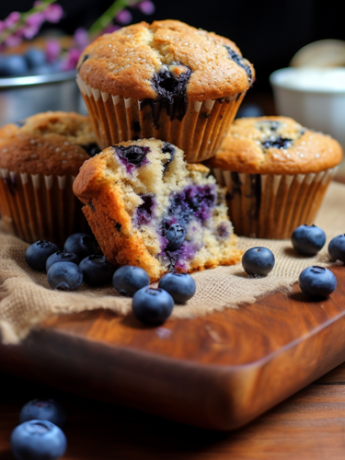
275,145
146,60
47,143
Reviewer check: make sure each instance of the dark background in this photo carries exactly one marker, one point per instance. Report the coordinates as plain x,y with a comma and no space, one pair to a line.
268,33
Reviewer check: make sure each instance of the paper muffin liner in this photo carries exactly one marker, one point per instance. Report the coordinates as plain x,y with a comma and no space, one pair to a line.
38,207
272,206
199,133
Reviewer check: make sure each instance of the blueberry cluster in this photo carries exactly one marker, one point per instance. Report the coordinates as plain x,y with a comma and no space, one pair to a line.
153,306
39,435
80,261
307,240
33,62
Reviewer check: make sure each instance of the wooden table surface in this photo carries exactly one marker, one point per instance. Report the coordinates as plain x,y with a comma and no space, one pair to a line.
309,425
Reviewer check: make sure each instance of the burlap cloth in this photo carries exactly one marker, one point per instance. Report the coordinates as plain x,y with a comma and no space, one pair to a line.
26,299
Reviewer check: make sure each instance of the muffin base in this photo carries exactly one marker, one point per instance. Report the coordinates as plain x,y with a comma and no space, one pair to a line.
272,206
199,133
37,207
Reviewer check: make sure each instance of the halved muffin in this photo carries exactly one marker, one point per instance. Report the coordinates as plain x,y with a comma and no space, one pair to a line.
147,207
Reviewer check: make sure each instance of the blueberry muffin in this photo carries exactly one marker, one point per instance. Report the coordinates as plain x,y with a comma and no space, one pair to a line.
39,159
276,173
147,207
165,80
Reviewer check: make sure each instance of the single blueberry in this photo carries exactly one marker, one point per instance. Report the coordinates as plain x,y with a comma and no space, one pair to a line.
43,409
336,248
62,256
13,65
277,142
44,69
35,57
97,271
308,239
152,306
127,280
317,281
133,154
249,110
38,440
175,236
258,261
65,276
91,149
37,254
180,286
81,244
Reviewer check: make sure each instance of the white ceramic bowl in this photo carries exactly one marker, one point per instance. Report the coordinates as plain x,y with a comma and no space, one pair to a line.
315,97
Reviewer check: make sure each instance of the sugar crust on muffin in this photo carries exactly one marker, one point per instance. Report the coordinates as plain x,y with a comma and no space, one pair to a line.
132,196
126,62
275,145
47,143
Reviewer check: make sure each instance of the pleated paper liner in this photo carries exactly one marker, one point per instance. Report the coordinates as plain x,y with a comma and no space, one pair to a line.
198,133
272,206
37,207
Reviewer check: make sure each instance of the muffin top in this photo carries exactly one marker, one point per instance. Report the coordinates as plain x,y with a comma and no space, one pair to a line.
165,59
275,145
47,143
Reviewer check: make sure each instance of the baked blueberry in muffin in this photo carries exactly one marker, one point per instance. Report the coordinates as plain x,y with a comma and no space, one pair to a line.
165,80
147,207
39,159
276,173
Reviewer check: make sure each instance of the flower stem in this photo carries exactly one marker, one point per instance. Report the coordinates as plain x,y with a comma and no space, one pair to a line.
107,17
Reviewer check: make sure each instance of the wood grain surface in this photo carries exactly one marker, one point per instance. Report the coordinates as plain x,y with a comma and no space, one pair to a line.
309,425
219,371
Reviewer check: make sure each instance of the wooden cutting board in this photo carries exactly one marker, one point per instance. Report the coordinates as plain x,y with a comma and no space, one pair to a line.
218,371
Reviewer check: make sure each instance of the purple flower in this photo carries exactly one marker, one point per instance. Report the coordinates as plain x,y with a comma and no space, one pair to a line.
53,13
146,7
12,19
2,26
81,38
36,19
110,29
72,59
124,17
53,50
13,40
29,31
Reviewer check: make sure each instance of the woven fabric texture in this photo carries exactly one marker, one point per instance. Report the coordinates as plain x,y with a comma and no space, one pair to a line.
26,299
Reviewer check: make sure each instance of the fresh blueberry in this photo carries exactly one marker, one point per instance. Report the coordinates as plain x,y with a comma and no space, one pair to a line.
62,256
38,440
43,409
91,149
97,270
152,306
127,280
13,65
317,281
180,286
35,57
37,254
249,110
81,244
65,276
44,69
258,261
308,239
336,248
175,236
